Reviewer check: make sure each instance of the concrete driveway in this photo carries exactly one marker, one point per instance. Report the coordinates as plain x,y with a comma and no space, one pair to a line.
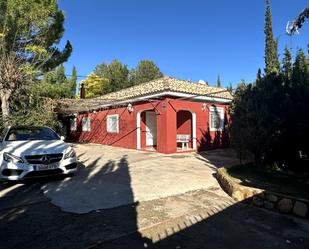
109,177
203,218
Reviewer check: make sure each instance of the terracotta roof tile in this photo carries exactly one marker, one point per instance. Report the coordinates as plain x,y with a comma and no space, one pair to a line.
167,84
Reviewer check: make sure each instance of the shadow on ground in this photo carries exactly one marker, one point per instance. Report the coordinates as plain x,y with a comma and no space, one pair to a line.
29,220
93,187
219,158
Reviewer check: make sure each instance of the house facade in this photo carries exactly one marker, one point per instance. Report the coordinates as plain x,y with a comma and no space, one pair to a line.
165,115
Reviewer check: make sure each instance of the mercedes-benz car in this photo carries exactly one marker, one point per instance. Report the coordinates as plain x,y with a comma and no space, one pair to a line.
34,152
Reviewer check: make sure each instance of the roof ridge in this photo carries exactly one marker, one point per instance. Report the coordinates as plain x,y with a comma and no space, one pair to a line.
132,87
166,83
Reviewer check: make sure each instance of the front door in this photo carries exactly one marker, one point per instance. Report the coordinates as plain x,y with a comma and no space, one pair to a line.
151,129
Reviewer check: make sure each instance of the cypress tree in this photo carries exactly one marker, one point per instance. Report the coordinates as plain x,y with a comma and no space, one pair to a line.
300,70
287,65
60,75
259,76
230,88
73,83
307,58
271,48
218,81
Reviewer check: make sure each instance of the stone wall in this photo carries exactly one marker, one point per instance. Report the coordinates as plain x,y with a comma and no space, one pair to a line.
262,198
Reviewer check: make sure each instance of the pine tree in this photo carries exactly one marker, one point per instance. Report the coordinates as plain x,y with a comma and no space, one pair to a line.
30,33
218,81
116,73
287,65
145,71
271,45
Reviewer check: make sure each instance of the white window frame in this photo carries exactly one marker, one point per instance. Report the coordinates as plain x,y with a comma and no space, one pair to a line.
73,124
86,124
108,127
220,111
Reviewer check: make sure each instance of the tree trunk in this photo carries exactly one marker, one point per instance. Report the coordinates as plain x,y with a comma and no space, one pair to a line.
5,105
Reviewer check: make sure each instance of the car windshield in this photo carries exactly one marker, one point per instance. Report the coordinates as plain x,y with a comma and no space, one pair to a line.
33,133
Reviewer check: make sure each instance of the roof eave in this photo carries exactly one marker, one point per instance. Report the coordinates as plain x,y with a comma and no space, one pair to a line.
182,95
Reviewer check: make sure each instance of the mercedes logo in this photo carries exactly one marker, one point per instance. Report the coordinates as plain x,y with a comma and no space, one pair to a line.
45,159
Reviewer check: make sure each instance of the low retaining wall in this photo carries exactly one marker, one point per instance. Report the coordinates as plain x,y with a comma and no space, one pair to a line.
263,198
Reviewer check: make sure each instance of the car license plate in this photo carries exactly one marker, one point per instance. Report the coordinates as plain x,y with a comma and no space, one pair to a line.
46,167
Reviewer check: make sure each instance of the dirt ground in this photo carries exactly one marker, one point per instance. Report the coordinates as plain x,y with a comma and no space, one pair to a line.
199,218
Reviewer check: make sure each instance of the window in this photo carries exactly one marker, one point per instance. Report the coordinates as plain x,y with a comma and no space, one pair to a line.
73,124
31,133
216,118
112,123
86,124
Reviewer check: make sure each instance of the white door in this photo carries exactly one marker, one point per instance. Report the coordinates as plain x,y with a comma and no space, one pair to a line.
151,129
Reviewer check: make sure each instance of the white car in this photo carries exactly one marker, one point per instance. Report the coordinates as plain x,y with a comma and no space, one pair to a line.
34,152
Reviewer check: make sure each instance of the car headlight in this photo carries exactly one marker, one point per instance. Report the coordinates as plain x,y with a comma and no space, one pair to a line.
70,153
11,158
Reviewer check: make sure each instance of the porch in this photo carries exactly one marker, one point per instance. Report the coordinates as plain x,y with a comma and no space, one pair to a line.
169,132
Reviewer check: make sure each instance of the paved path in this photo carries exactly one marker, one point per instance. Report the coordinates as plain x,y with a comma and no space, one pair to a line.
111,177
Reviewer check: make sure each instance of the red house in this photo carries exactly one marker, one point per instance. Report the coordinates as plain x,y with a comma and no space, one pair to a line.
165,115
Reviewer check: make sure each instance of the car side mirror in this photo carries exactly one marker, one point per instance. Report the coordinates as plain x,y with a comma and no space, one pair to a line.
62,138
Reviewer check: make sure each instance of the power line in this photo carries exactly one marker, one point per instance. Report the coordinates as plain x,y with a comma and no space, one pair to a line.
78,76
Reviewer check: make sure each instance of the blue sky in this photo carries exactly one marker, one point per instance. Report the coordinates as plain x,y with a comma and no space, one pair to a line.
188,39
